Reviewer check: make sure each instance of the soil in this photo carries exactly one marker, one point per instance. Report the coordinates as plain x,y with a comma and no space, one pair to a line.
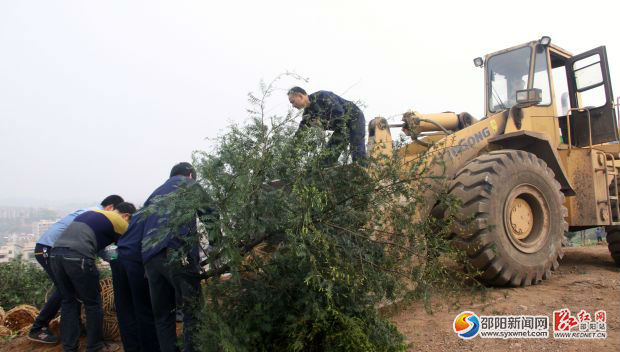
587,279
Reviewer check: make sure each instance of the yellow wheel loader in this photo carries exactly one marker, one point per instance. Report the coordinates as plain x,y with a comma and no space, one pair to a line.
544,159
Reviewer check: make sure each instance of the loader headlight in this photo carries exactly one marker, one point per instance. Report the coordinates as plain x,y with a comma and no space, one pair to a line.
544,41
529,97
478,62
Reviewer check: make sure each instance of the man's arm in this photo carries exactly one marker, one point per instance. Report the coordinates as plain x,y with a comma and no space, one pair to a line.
303,124
308,120
325,111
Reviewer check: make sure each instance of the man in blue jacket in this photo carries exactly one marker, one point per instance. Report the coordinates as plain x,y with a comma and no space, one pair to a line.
166,277
39,331
331,112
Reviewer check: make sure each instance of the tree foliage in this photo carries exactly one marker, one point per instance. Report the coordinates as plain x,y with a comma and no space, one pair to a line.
22,283
305,254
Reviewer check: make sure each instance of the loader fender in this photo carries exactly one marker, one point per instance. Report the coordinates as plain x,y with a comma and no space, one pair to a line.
538,144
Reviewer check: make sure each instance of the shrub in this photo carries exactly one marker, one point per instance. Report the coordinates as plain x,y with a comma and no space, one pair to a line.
22,283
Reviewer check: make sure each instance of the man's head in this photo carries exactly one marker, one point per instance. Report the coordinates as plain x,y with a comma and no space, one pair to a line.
516,84
126,210
110,202
183,169
298,97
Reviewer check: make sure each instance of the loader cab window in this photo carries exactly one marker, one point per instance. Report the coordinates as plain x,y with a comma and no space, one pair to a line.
541,74
508,72
589,79
560,84
589,90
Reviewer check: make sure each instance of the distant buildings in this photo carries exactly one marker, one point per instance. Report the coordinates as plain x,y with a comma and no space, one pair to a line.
28,251
10,251
41,226
20,228
18,238
18,212
14,250
17,243
21,225
23,213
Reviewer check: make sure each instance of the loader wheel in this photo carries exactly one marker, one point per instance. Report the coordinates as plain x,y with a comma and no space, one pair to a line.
613,243
512,219
613,232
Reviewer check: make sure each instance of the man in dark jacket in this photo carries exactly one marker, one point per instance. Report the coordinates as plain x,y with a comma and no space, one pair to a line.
330,112
166,277
132,298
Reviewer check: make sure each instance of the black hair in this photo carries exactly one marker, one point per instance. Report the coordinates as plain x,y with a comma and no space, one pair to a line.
125,208
113,200
183,169
296,90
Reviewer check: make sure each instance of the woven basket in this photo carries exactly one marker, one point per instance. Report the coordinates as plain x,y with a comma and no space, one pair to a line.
107,296
25,330
110,324
260,251
4,331
20,316
54,326
110,327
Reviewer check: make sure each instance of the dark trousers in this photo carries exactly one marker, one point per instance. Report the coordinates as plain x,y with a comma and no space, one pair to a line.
52,306
132,300
164,278
354,131
77,277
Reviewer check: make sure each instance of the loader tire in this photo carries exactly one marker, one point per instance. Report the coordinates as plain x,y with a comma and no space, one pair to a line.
613,243
512,218
613,232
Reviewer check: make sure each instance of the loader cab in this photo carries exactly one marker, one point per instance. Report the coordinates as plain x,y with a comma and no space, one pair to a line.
573,99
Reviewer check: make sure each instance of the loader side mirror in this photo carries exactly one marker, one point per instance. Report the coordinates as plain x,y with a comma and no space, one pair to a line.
529,97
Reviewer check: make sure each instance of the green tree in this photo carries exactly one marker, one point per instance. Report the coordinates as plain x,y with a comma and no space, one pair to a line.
303,254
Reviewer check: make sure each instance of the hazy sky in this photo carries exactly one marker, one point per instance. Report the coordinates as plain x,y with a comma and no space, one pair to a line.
100,97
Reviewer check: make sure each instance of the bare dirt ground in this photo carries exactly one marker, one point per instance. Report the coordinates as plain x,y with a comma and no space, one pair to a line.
587,279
